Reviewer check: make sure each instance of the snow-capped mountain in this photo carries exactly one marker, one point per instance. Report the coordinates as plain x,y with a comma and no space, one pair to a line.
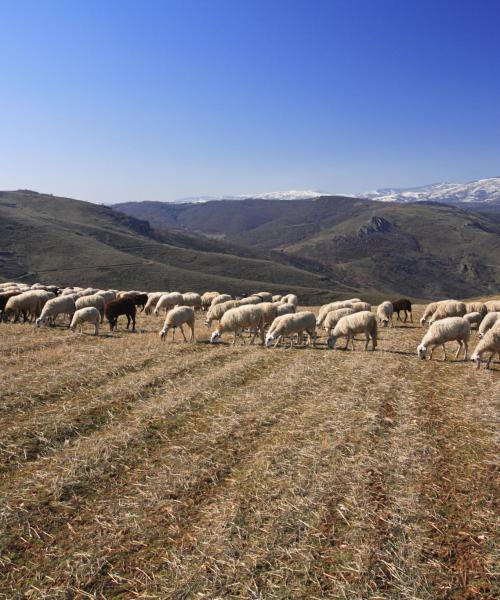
482,190
287,195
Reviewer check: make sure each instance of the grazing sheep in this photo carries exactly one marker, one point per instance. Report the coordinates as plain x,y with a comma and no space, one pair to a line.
206,299
216,311
177,317
430,309
489,343
360,306
265,296
62,305
168,301
220,298
385,312
487,323
250,300
334,316
442,331
277,298
452,308
326,308
191,299
153,298
269,312
237,319
285,309
107,295
128,294
360,322
291,324
474,319
90,314
290,299
95,300
25,304
404,305
493,305
479,307
123,306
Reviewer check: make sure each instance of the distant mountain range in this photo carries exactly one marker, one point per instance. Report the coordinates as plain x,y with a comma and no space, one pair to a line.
288,195
482,190
474,192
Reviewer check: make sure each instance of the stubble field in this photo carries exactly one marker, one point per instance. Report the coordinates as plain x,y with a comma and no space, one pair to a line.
130,469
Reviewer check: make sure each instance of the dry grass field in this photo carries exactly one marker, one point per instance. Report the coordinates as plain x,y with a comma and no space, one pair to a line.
131,469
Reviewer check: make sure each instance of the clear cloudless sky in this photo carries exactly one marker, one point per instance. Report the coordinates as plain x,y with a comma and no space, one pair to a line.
117,100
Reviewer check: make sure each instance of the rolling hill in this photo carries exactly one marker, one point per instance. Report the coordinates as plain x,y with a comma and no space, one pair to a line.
422,249
65,241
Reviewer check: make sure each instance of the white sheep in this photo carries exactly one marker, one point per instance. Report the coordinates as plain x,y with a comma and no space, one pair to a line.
191,299
237,319
360,322
277,298
168,301
90,314
474,319
334,316
220,298
429,310
216,311
62,305
291,324
489,343
153,298
442,331
290,299
385,312
206,299
107,295
95,300
452,308
176,318
250,300
26,303
487,323
479,307
265,296
360,306
493,305
285,309
326,308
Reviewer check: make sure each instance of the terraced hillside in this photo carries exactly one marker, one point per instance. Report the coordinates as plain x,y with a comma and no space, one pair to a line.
131,469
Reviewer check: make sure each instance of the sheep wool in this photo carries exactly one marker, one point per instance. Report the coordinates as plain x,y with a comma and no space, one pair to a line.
90,314
442,331
291,324
489,343
360,322
176,318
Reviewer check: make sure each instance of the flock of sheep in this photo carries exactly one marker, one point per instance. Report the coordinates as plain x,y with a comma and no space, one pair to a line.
273,318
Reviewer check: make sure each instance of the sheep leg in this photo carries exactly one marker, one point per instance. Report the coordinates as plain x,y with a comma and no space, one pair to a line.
459,348
444,352
346,343
367,342
278,340
128,321
431,352
192,333
466,346
352,343
173,333
411,316
253,337
234,337
182,331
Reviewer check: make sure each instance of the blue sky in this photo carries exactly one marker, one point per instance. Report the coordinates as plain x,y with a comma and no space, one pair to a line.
114,101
